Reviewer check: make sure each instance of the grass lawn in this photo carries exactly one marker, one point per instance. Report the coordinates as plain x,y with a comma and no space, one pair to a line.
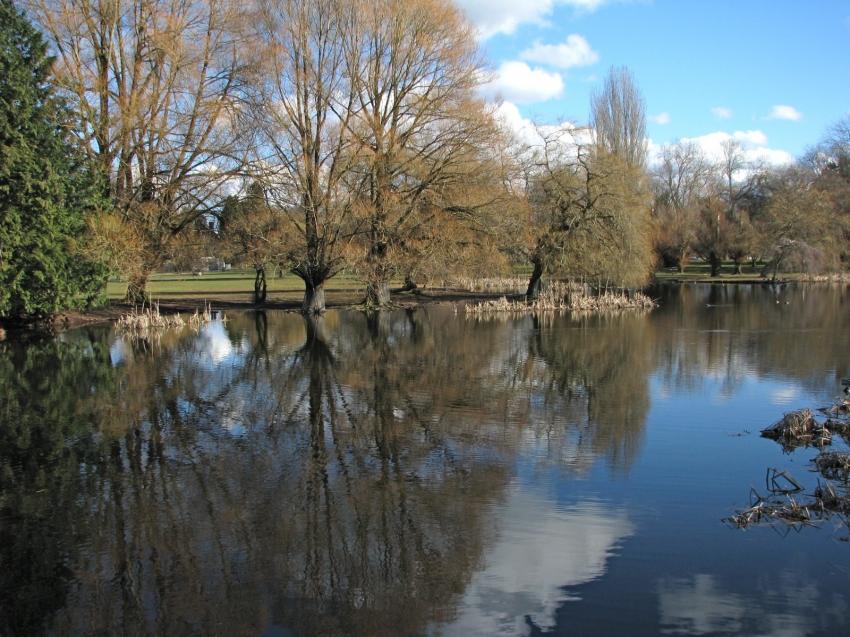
702,272
234,285
238,285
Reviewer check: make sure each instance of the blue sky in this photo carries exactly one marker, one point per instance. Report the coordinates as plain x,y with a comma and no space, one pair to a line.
773,74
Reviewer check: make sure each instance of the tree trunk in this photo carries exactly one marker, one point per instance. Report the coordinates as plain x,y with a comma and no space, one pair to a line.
136,288
314,298
716,264
378,295
409,284
260,287
535,282
739,267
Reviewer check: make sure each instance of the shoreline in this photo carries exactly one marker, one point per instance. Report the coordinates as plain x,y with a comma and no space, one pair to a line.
334,301
402,299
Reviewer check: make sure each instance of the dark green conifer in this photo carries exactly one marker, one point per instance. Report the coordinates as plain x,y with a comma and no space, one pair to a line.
46,188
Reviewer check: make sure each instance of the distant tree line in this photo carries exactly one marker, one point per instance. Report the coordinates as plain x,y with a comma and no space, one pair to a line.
790,219
316,136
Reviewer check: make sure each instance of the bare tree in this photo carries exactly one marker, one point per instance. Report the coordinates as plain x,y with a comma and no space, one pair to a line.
618,117
159,87
742,180
680,180
422,133
305,118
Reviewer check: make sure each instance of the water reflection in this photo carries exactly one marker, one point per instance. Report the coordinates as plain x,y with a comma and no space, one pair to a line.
357,474
541,550
699,606
729,332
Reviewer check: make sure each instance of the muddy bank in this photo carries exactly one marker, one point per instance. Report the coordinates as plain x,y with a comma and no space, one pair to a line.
334,300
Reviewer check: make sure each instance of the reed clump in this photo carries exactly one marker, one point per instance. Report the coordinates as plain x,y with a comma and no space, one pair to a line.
834,277
834,465
798,429
840,409
147,319
566,296
489,285
783,502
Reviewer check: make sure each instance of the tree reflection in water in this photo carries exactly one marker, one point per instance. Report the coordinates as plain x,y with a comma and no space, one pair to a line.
340,476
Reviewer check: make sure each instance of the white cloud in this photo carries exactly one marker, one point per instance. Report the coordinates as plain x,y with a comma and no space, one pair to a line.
754,137
504,16
529,136
661,118
721,112
771,156
517,82
523,129
753,144
783,111
575,51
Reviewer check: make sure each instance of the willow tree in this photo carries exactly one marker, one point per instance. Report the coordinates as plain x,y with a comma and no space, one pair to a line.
158,88
830,162
423,136
798,228
589,214
305,121
253,232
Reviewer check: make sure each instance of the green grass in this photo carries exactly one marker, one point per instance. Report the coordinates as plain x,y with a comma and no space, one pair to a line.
238,284
702,272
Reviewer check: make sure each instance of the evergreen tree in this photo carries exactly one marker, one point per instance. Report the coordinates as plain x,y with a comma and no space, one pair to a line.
45,186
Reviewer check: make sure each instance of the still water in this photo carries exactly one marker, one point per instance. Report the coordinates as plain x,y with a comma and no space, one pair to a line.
421,473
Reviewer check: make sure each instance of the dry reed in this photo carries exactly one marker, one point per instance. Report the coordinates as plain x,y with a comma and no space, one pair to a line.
798,429
784,505
834,465
146,319
566,296
489,285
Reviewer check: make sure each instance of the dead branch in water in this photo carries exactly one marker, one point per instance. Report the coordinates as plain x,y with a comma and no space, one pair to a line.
783,504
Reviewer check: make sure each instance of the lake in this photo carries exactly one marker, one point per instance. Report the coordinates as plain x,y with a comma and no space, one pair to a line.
422,472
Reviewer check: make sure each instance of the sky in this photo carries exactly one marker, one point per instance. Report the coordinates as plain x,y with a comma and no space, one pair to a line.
773,74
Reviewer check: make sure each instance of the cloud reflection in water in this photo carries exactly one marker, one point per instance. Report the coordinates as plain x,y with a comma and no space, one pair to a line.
541,549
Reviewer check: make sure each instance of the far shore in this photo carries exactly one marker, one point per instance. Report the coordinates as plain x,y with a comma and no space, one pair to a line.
186,293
